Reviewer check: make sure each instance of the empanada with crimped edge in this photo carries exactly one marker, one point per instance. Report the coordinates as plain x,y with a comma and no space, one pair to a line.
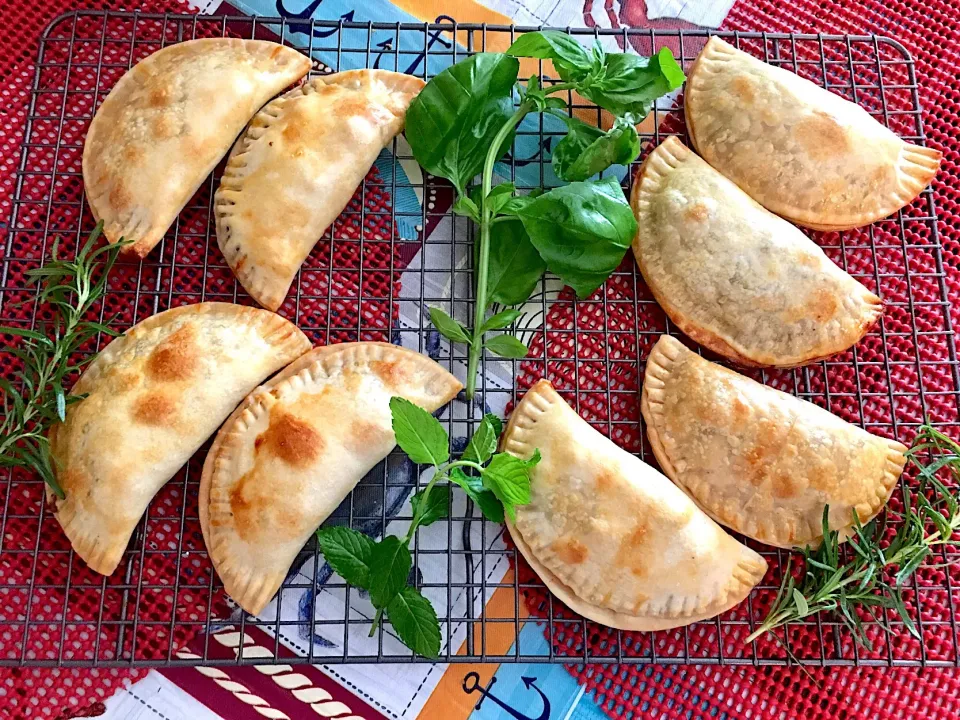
168,122
153,397
735,277
799,150
296,168
760,461
295,448
611,537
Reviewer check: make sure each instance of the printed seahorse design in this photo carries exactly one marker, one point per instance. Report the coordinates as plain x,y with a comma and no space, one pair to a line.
633,14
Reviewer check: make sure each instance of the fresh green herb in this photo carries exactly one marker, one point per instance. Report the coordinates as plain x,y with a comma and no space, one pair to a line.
581,230
499,482
871,581
586,148
464,121
70,288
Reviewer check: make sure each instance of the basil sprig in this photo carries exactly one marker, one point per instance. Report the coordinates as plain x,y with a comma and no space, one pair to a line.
464,121
498,483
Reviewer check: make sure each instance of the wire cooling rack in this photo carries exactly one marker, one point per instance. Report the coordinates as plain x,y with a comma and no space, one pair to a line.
395,250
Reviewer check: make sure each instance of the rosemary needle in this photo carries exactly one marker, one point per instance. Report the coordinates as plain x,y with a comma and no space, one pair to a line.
873,579
36,399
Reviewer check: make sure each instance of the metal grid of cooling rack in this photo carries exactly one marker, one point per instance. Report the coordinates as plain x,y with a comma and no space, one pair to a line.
164,605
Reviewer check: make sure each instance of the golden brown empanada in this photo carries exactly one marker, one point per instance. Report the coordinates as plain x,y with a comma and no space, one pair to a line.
295,448
734,277
167,123
797,149
610,536
296,167
757,460
154,396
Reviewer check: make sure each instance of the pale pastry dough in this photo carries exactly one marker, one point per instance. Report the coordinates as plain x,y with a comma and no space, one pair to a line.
296,167
166,124
295,448
611,537
799,150
154,396
734,277
757,460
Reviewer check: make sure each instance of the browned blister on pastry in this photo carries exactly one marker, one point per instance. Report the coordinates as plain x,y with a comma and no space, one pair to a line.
735,277
799,150
297,166
168,122
760,461
611,537
153,397
295,448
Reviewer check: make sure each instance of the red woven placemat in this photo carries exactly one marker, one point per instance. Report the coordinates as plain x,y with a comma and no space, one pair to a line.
925,29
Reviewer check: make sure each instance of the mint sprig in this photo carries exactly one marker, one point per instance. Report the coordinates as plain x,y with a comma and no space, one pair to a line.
497,484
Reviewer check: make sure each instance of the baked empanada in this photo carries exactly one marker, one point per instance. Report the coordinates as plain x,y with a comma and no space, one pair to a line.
734,277
295,448
611,537
798,149
154,396
166,124
296,167
757,460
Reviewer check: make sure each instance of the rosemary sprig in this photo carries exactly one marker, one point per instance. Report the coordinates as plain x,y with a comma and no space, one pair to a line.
874,577
36,399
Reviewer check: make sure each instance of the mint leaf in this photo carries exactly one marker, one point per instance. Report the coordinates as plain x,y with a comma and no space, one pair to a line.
485,499
448,327
434,509
390,563
506,346
484,441
501,320
509,479
419,434
415,621
348,553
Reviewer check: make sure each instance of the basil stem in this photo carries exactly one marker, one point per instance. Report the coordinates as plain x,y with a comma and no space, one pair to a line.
486,222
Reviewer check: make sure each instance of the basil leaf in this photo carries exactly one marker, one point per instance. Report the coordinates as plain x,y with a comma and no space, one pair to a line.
448,327
631,83
390,564
415,622
419,434
501,320
585,150
452,122
500,196
509,479
506,346
348,553
483,443
581,230
466,207
435,507
515,267
552,45
485,499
